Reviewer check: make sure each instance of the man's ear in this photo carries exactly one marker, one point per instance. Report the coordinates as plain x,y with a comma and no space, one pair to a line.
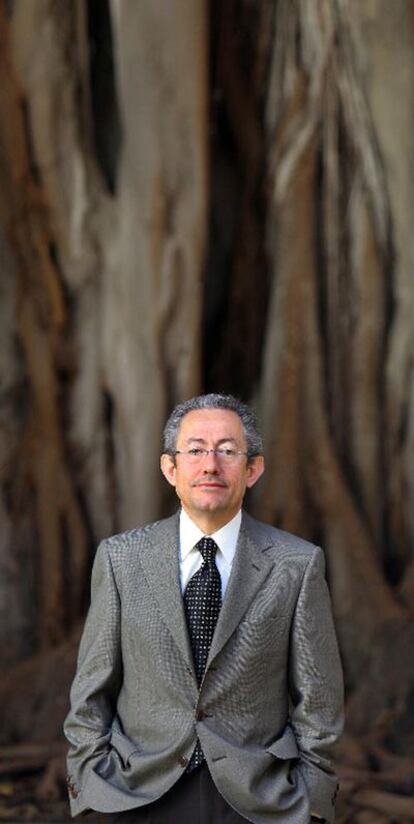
167,464
255,469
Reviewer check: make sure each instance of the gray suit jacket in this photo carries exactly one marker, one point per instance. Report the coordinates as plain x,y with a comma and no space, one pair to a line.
269,708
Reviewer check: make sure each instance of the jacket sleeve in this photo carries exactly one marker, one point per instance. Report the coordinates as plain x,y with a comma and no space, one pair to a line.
97,681
316,687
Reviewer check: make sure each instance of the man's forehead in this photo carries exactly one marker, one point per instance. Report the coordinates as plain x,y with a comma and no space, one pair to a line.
200,423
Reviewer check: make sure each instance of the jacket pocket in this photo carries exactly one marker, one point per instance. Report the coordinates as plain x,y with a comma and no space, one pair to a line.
123,746
285,747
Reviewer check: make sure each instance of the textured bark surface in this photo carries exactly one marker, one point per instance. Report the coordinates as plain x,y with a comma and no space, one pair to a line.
107,280
130,134
328,342
154,266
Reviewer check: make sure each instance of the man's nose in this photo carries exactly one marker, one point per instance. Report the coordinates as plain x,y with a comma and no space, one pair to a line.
210,463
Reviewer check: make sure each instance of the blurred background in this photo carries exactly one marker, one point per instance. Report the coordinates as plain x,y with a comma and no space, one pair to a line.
206,195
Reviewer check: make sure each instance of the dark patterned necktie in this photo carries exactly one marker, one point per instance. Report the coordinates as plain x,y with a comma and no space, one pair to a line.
202,602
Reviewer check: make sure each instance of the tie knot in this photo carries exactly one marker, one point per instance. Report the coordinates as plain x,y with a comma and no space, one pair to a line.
208,548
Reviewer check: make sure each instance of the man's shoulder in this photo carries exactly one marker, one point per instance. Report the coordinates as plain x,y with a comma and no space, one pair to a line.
134,538
271,538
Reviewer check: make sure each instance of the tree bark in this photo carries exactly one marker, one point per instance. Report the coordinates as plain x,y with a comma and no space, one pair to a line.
328,331
113,311
108,279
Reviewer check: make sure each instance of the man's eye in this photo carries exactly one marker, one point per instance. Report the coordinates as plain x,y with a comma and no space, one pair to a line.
196,452
227,452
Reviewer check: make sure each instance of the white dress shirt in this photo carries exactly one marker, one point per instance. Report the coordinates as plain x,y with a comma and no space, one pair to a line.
190,558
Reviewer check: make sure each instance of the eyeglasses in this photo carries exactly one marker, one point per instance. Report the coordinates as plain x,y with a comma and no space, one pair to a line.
224,455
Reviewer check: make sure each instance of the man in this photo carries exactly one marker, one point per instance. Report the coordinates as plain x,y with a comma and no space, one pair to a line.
209,687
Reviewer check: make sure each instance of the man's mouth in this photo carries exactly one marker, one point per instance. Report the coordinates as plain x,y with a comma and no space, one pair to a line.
211,484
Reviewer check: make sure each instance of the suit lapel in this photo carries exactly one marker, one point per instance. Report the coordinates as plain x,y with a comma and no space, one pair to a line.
250,569
159,558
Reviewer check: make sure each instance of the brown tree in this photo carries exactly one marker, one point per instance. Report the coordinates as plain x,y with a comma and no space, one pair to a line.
196,197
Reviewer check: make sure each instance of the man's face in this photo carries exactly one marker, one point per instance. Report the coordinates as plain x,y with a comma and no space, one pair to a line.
211,491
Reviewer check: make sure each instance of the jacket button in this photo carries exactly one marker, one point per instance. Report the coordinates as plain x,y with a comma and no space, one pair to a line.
71,788
200,715
182,760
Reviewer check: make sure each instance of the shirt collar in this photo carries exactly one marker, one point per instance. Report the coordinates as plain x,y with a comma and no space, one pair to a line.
226,537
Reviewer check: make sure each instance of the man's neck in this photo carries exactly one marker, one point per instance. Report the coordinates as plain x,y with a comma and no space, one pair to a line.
210,522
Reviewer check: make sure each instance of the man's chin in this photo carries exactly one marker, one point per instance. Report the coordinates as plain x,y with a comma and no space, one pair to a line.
210,503
210,506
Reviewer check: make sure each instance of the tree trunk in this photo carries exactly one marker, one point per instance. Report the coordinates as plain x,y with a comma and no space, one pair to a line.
329,333
112,311
108,250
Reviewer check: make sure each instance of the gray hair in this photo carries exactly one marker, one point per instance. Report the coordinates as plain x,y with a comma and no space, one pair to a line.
214,401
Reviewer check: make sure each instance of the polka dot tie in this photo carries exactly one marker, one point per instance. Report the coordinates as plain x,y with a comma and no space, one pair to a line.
202,602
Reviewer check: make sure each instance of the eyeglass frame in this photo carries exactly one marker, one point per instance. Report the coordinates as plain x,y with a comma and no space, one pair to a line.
218,452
